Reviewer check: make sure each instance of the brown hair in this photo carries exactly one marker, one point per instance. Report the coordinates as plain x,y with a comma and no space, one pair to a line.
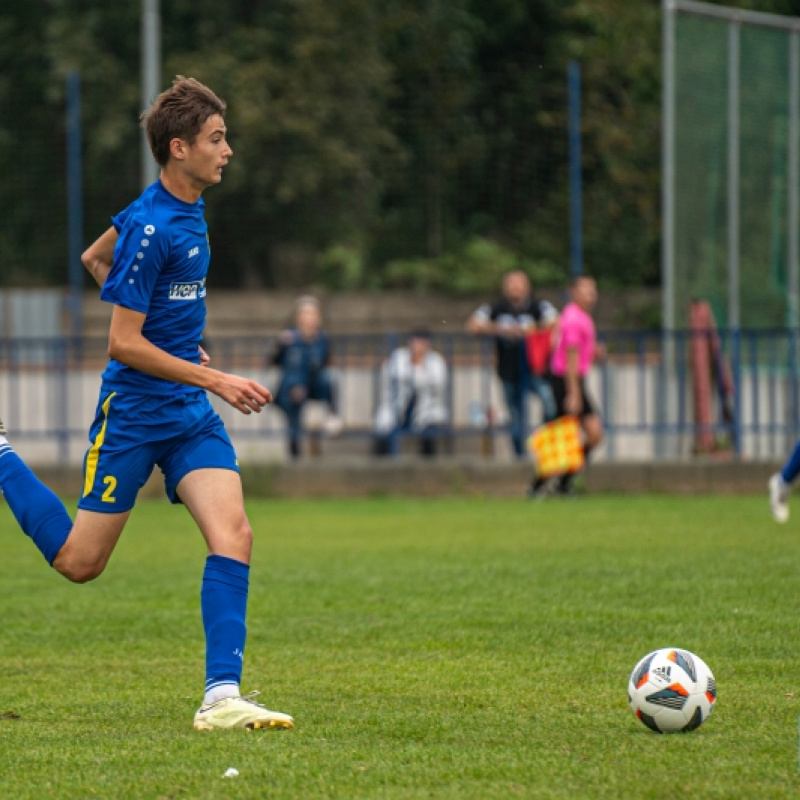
179,113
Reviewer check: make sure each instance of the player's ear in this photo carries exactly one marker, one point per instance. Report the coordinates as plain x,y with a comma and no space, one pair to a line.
178,148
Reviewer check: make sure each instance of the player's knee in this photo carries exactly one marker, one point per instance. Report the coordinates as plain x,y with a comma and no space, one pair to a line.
78,570
244,535
235,540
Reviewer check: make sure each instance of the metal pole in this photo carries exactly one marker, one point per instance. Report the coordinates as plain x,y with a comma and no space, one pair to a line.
733,175
734,317
740,15
151,77
74,202
668,168
793,267
575,181
667,228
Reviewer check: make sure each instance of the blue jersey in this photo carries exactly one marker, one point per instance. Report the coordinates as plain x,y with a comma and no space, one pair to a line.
160,265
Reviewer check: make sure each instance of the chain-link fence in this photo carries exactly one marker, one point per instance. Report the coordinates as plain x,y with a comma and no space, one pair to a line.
731,135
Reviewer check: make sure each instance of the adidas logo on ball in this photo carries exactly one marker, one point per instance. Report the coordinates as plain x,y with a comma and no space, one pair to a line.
663,673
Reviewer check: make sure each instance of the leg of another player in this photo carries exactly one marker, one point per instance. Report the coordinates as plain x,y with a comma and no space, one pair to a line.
215,500
780,483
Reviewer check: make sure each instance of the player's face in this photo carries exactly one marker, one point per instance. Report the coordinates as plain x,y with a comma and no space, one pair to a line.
205,158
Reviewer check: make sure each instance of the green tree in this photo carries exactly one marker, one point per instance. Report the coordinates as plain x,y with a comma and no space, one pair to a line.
304,80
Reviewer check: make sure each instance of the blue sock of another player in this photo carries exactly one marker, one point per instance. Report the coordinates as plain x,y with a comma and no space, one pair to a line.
791,469
40,514
223,600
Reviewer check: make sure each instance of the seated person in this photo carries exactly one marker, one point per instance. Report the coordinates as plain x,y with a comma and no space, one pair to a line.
412,396
304,355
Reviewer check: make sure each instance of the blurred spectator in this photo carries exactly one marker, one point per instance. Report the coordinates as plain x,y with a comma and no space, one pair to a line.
511,319
304,356
412,396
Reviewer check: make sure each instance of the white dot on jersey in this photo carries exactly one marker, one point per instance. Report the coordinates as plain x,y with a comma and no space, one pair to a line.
145,242
140,255
130,280
135,268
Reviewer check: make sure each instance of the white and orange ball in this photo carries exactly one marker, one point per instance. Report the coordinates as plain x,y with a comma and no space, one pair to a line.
672,690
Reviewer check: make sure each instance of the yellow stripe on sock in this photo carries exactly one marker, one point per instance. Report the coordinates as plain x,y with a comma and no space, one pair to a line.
93,456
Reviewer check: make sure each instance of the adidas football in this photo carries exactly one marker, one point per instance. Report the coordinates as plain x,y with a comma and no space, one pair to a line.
672,690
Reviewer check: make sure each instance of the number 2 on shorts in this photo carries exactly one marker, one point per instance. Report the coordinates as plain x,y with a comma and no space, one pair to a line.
111,484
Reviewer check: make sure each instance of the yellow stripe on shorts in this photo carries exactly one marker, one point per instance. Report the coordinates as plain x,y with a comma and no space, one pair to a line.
93,456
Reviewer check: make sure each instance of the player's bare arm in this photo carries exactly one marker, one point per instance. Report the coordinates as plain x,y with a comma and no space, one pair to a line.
99,256
573,402
477,325
127,345
490,328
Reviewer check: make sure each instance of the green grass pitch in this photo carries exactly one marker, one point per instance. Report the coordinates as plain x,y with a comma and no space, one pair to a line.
427,649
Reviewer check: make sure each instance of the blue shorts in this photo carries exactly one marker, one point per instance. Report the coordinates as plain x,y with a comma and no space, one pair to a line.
131,433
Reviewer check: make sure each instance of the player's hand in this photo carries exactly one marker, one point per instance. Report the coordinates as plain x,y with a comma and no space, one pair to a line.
205,358
243,394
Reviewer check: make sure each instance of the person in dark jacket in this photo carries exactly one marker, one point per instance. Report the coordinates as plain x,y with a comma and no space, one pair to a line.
304,356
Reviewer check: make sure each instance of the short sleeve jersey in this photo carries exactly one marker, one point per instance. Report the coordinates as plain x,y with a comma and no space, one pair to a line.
575,329
512,363
160,265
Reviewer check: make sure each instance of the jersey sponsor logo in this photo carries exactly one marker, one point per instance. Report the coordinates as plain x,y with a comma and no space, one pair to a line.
149,229
193,252
194,290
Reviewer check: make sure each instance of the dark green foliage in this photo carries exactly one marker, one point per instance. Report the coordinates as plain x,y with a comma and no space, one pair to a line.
367,133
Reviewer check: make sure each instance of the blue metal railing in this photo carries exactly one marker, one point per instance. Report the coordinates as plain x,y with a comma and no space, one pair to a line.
645,388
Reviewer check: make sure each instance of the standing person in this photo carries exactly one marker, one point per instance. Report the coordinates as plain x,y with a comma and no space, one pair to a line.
153,408
304,355
510,320
575,349
413,389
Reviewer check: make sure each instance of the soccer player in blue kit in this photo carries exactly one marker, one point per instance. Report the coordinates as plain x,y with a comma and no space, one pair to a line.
153,408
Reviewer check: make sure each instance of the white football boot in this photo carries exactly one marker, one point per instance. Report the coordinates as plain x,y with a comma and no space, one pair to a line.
779,498
240,712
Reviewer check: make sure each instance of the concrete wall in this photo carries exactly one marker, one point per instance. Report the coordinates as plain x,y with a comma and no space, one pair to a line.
408,476
266,312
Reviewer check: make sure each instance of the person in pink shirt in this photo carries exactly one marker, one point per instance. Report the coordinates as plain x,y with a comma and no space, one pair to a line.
574,350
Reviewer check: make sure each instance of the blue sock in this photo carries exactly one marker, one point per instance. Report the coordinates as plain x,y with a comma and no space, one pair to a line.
791,469
223,601
36,508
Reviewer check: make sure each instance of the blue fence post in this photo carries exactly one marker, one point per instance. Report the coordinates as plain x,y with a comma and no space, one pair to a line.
736,362
575,172
75,202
